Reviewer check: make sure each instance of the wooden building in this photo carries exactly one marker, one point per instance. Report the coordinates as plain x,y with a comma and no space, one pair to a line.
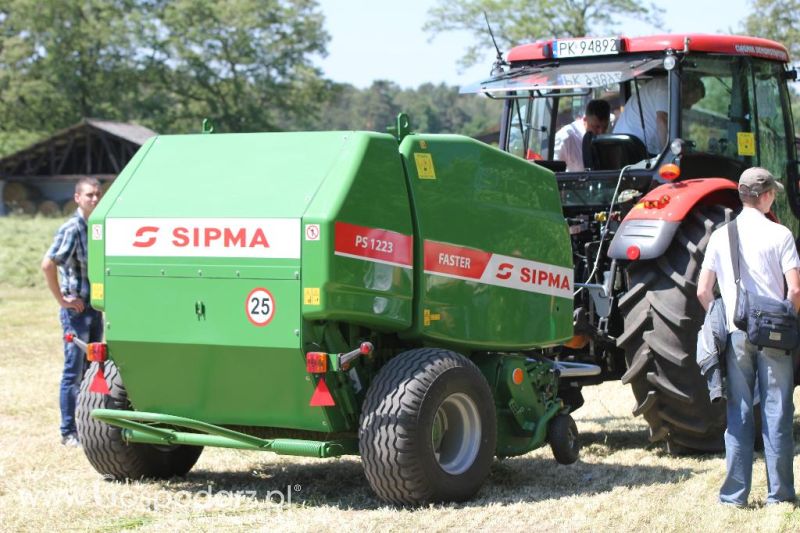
42,176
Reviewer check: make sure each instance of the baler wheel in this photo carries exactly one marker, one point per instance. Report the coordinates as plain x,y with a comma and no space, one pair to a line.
563,436
662,317
428,428
104,446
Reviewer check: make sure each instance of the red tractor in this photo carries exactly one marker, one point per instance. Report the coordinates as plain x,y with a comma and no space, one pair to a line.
641,210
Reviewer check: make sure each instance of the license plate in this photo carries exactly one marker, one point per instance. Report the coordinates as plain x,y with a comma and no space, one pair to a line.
599,46
590,79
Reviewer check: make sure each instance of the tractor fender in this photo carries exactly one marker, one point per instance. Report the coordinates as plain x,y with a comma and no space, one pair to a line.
652,222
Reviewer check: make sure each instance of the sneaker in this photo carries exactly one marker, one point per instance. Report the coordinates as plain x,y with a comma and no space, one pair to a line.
71,440
734,505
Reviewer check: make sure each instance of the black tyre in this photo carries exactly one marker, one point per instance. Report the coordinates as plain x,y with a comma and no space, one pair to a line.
428,428
661,319
563,436
104,446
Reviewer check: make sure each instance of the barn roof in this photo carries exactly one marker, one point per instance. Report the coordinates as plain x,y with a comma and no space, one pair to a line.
90,147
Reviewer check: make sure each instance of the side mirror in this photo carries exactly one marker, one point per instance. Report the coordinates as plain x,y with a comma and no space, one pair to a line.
790,75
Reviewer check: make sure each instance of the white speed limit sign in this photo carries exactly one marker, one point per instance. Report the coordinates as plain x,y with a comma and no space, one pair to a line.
260,306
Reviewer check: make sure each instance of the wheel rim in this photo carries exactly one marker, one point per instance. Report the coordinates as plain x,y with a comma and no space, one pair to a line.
456,433
572,438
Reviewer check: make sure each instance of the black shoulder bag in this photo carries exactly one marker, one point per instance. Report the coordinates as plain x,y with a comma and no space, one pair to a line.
767,321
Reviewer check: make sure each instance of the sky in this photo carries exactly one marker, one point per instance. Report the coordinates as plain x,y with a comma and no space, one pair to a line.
383,39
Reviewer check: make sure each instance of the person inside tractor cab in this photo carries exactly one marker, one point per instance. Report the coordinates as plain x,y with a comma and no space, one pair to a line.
569,139
650,124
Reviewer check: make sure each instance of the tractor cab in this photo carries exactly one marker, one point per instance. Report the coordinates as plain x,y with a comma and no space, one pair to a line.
740,118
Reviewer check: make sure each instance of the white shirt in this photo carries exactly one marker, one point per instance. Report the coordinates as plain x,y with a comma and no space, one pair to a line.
569,145
654,99
766,252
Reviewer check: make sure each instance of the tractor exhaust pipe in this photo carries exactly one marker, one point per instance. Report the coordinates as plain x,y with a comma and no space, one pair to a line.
576,370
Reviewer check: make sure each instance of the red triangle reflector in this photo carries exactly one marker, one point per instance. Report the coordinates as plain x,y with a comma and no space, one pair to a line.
99,384
322,396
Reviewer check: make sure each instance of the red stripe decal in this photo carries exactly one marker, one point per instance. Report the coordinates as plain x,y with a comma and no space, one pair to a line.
373,244
443,258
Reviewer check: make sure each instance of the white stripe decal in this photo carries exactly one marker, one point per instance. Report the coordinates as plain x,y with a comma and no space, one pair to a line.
456,262
266,238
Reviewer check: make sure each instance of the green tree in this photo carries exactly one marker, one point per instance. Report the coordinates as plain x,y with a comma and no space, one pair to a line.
432,109
61,60
776,20
519,21
246,64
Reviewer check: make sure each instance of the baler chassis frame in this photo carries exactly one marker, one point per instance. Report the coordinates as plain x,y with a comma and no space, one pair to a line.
137,428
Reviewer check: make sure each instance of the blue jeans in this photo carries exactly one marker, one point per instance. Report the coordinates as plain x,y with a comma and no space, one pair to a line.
775,373
88,326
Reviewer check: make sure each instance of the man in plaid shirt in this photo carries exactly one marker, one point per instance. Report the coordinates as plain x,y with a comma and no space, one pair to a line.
68,256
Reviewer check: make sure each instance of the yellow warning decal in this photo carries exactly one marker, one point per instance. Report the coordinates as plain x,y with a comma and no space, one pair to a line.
97,291
424,166
428,317
311,296
746,142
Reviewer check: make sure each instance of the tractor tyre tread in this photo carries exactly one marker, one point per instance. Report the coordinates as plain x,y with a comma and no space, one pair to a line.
661,318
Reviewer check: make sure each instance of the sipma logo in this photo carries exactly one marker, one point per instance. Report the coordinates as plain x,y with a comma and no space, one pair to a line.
150,240
203,237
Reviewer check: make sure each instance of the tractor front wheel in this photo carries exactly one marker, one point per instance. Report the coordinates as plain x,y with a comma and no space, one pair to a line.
428,428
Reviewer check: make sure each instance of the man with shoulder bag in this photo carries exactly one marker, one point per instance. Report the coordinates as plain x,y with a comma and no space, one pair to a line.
750,258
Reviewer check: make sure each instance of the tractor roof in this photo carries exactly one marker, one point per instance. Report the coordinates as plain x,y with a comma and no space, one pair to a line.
697,42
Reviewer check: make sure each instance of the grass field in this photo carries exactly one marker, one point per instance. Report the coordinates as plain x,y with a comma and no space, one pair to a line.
619,484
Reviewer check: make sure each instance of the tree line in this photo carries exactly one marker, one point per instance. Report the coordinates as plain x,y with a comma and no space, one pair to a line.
166,64
248,65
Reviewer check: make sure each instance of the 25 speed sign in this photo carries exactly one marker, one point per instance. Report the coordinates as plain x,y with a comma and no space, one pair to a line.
260,306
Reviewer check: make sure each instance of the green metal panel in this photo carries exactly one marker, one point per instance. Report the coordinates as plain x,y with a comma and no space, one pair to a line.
96,225
215,366
248,175
359,269
489,227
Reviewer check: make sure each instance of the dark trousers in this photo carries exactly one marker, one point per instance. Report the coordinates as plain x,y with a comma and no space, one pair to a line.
88,326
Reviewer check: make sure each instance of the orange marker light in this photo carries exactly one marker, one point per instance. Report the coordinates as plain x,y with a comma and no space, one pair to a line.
96,351
517,376
633,252
316,362
661,203
577,342
670,171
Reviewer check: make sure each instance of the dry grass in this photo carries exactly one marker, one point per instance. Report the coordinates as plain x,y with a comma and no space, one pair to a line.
619,484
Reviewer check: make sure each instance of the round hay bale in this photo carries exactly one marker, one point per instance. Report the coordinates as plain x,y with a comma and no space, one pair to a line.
69,207
15,192
49,208
25,207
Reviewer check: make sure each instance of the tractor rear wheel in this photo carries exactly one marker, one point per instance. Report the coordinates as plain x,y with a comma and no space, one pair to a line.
104,445
428,428
661,319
